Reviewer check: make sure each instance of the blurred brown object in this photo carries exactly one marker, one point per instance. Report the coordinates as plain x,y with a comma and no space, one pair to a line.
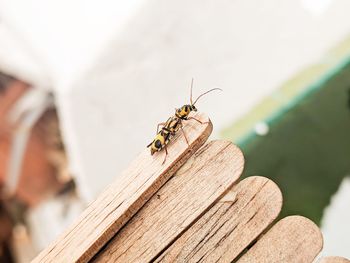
5,235
4,80
37,178
10,91
43,169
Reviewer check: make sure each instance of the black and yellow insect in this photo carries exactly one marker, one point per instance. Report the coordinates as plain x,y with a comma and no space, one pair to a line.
174,124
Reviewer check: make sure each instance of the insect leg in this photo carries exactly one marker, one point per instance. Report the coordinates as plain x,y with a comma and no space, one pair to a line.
192,118
160,124
164,124
184,133
166,153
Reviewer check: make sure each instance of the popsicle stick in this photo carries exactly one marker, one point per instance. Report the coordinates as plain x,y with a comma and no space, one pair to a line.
205,178
333,260
119,202
293,239
230,225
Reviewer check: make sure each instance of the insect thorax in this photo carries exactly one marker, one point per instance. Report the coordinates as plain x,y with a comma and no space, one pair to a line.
184,111
173,124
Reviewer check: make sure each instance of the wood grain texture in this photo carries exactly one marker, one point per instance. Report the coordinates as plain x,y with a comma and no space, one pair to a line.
230,225
333,260
119,202
293,239
205,178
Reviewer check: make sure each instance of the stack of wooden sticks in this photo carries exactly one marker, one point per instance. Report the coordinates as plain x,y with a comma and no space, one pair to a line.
192,208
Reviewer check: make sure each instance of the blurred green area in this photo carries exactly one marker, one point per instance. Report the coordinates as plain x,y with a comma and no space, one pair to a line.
307,149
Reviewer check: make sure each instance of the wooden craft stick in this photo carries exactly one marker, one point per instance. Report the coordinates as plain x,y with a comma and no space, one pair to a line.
119,202
229,227
294,239
205,178
333,260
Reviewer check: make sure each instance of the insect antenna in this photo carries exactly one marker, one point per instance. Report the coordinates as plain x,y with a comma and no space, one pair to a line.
204,94
191,91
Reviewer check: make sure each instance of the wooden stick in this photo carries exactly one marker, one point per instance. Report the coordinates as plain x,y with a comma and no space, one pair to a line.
194,188
333,260
230,225
293,239
119,202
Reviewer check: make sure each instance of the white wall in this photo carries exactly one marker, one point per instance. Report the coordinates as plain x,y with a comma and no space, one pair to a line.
248,48
120,67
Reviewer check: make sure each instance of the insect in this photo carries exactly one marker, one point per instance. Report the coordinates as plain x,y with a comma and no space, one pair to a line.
174,124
